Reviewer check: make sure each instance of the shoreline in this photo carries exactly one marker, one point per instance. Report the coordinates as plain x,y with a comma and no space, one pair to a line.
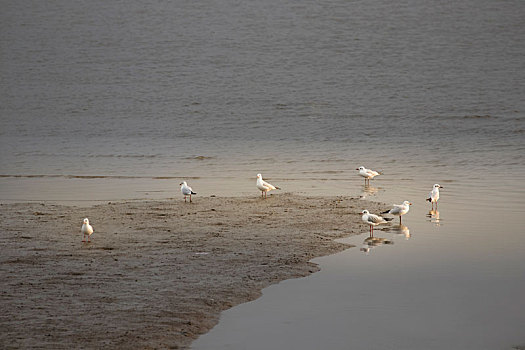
158,273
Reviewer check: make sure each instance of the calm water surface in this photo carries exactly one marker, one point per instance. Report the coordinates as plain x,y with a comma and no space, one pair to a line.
452,278
122,100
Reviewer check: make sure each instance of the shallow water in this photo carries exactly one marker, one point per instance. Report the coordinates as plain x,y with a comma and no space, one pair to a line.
116,101
447,279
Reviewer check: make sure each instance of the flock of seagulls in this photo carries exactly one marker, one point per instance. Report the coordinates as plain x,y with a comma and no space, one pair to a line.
265,187
397,209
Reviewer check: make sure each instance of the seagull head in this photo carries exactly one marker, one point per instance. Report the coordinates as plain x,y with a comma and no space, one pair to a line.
259,176
364,212
360,168
407,203
183,183
438,186
86,221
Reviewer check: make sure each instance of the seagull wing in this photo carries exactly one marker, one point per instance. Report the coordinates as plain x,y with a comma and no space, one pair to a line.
396,209
270,186
374,219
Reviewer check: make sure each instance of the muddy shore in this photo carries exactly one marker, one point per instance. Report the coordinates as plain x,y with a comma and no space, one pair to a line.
157,274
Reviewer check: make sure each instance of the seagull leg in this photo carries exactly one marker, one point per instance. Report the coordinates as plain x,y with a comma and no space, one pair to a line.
399,220
184,199
190,198
83,238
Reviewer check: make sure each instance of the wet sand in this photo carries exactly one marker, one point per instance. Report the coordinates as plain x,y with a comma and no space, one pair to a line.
157,273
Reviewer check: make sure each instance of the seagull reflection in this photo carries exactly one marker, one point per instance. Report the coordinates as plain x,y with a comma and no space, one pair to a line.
371,242
433,216
401,230
368,191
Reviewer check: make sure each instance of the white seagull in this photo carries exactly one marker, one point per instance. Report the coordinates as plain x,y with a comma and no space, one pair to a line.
264,186
86,230
367,173
433,196
373,220
186,190
399,210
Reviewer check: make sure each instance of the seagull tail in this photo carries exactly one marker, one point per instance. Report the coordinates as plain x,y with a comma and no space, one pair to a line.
386,212
429,199
388,219
380,172
193,192
277,188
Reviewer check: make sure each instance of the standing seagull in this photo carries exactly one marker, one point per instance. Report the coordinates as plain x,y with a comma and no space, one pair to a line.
87,229
264,186
186,190
434,195
367,173
373,220
399,210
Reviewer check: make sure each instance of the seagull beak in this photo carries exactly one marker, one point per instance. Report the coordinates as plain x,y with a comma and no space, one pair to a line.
357,169
441,187
409,203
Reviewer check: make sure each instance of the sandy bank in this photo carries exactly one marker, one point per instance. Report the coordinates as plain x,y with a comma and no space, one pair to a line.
157,273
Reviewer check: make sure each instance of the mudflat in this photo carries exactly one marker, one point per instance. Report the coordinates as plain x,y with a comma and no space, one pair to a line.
157,274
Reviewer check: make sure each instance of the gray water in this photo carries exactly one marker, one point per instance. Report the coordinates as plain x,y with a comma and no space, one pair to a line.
123,100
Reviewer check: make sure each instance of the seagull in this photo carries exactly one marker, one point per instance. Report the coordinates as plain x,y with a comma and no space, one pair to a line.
399,210
87,229
373,220
186,190
433,196
367,173
264,186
